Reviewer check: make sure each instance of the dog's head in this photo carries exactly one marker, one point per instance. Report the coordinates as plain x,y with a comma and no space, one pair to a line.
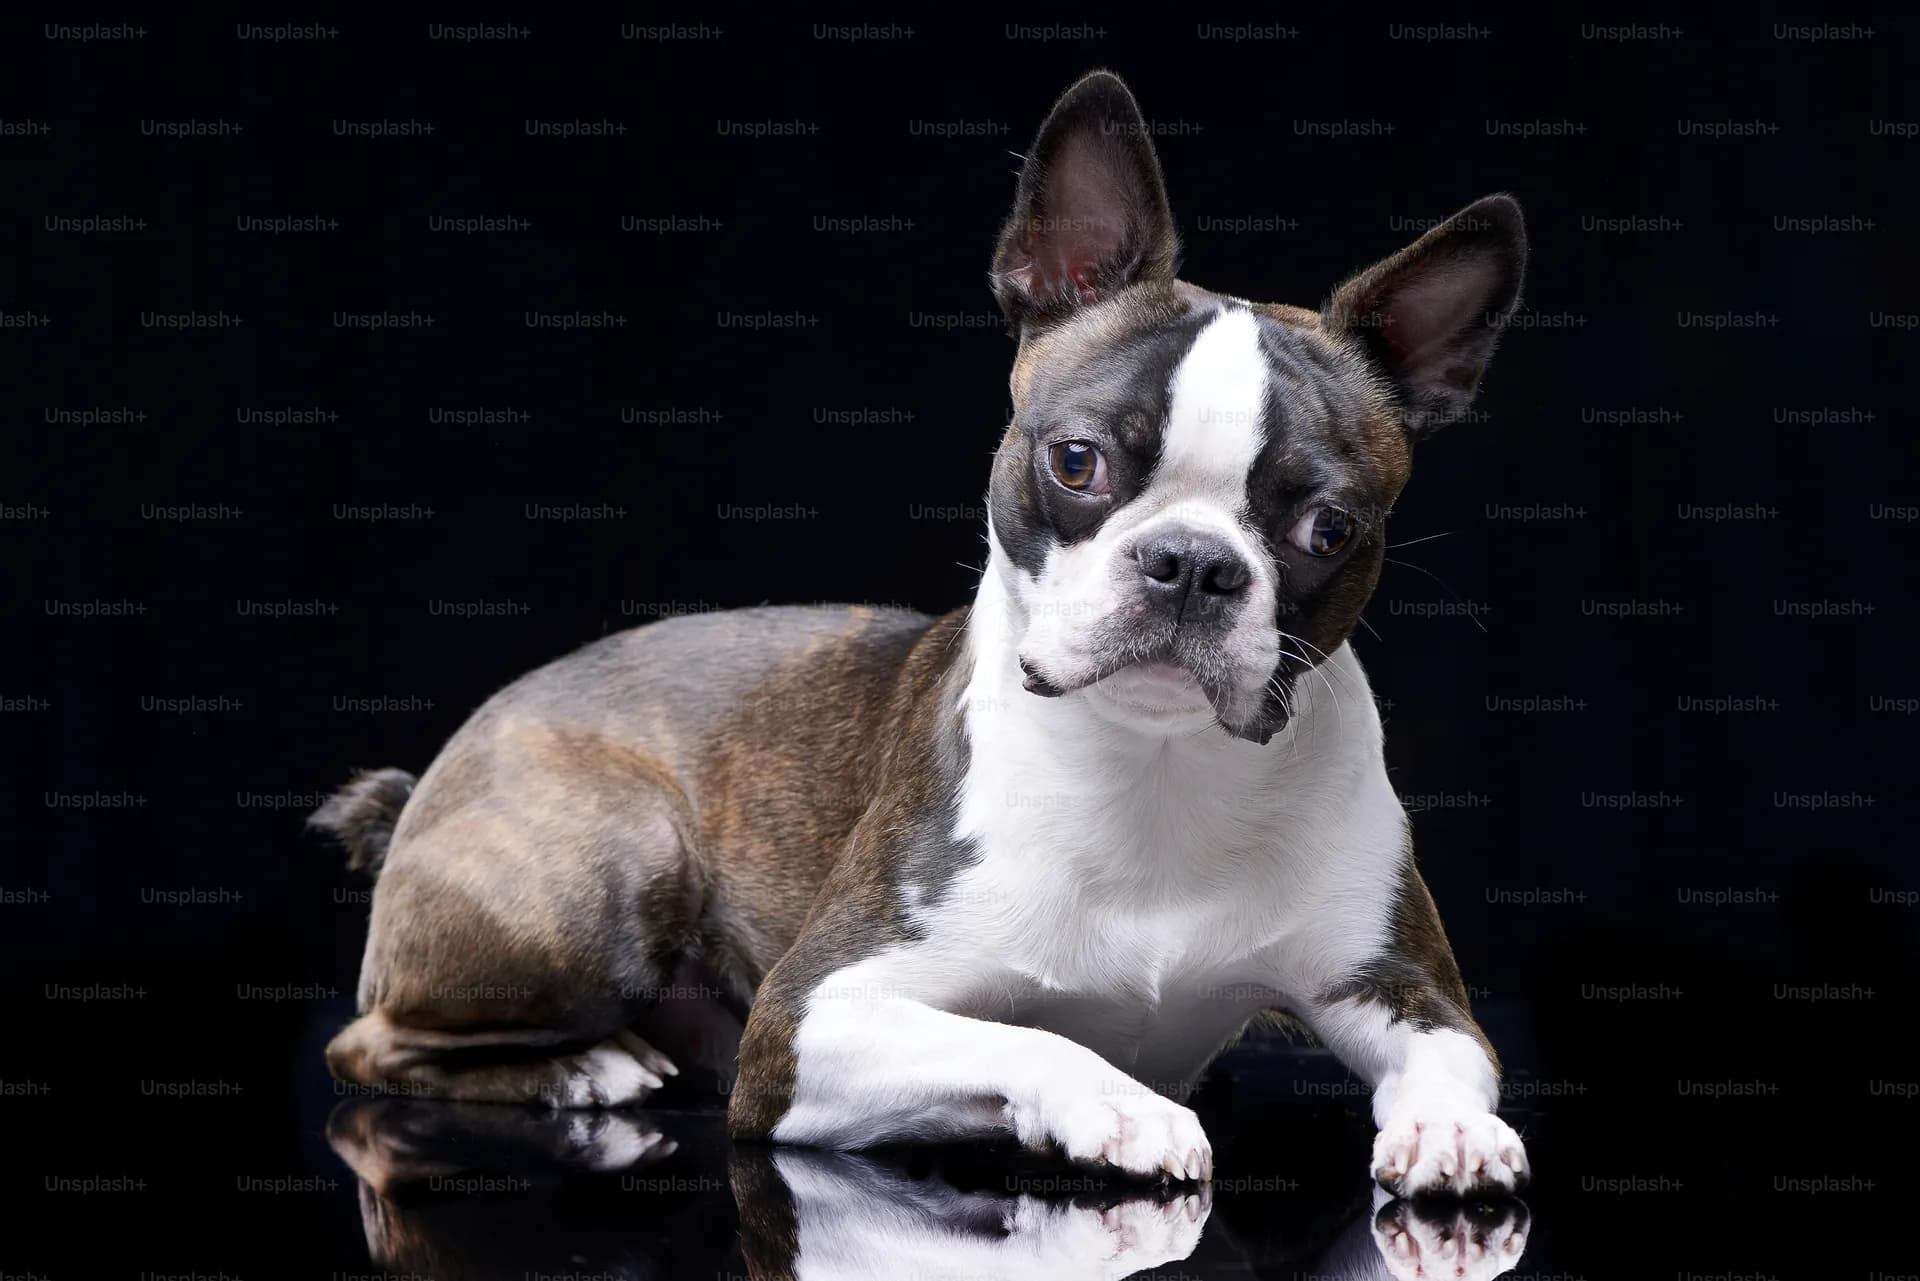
1189,507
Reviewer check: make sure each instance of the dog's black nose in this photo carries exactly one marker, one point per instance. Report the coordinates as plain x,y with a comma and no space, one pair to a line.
1180,563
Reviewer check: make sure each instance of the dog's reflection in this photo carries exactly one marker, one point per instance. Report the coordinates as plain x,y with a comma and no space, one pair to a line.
466,1191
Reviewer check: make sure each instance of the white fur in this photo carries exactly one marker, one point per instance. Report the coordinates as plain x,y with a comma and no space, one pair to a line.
1216,415
612,1068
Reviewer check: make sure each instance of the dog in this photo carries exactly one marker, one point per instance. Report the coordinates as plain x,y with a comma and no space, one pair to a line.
1024,869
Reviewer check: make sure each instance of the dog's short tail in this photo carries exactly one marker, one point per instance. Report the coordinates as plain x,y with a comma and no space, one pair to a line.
362,815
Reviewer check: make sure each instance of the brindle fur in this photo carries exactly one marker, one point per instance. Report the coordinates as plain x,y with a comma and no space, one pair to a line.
676,793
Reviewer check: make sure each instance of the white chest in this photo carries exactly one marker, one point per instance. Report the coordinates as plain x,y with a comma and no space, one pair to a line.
1146,898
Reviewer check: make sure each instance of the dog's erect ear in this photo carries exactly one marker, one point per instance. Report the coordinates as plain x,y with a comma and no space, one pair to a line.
1090,215
1430,315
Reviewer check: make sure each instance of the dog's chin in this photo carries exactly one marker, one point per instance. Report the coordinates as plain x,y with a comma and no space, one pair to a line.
1155,691
1167,693
1170,698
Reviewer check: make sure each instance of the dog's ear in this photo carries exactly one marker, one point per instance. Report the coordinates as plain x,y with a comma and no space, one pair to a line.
1090,215
1430,315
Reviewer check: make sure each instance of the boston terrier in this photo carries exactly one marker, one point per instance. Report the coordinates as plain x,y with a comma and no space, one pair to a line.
1024,869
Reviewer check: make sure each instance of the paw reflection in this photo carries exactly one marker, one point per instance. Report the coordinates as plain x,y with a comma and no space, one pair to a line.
463,1191
403,1146
841,1216
1469,1241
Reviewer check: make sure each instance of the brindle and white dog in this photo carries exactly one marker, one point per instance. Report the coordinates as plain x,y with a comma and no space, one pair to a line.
1028,867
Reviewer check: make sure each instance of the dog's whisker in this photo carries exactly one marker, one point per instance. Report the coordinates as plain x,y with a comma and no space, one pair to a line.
1325,658
1425,538
1333,694
1279,689
1445,586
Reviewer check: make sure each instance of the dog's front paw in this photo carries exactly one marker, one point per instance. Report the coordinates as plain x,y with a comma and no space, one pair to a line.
1121,1123
1469,1243
1440,1147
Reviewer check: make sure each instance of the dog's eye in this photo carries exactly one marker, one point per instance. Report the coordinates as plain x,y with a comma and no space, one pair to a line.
1322,531
1078,466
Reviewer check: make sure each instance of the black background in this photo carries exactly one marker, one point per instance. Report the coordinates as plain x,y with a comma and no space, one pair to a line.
1554,549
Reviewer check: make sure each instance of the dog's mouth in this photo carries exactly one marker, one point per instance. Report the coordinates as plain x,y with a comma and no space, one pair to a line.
1163,687
1177,683
1162,672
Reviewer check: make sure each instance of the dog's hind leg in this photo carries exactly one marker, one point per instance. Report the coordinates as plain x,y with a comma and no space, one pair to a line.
495,1067
537,899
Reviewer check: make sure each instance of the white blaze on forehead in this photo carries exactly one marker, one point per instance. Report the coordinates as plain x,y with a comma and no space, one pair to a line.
1216,418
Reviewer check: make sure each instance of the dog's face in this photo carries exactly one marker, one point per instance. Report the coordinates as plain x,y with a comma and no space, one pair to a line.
1189,507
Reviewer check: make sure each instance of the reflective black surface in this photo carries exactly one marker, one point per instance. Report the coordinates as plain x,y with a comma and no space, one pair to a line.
299,1177
489,1192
